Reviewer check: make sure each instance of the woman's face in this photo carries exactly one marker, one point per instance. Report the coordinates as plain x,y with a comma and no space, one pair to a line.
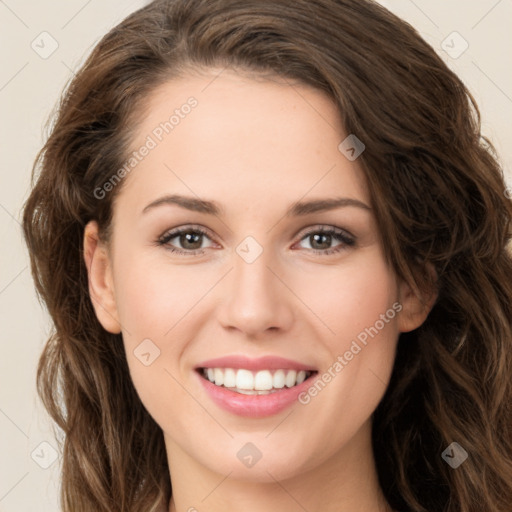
255,166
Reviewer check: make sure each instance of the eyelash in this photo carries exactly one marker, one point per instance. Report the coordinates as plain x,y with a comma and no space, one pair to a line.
346,239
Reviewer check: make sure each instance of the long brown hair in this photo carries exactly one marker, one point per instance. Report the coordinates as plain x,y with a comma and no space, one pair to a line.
440,201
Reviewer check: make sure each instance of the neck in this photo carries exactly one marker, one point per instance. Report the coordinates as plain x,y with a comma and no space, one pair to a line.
344,482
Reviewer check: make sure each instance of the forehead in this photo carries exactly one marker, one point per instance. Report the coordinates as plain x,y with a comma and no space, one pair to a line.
241,139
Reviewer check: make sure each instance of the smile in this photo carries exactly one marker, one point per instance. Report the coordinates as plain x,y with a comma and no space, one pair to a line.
252,387
262,382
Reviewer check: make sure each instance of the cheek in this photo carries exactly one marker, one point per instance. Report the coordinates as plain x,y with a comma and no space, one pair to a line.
162,306
152,297
360,308
350,298
157,305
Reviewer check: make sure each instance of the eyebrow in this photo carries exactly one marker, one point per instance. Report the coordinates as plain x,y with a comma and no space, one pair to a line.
298,208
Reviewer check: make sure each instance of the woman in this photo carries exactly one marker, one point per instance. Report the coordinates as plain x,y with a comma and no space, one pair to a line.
274,245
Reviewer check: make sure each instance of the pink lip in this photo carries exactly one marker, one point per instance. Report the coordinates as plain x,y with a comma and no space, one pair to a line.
260,363
253,406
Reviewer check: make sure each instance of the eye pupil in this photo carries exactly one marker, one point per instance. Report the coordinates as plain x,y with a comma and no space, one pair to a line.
317,236
190,238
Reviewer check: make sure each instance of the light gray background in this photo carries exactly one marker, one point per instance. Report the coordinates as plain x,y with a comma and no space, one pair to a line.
29,87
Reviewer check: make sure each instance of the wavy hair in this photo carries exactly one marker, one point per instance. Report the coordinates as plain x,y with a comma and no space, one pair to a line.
440,201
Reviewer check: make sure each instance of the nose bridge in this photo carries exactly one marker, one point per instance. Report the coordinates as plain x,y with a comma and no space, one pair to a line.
256,299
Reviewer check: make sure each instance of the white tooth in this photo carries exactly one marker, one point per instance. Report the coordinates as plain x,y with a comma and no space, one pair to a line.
263,380
301,377
219,376
244,379
291,377
278,379
246,391
229,378
211,374
264,392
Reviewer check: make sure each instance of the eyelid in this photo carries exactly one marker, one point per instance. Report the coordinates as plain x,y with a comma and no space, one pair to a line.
185,228
323,228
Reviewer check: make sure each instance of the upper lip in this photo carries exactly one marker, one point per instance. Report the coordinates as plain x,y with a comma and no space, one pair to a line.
255,364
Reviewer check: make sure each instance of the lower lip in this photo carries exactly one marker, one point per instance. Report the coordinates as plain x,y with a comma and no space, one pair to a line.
254,406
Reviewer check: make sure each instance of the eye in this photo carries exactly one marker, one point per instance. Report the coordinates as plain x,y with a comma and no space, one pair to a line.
320,240
189,238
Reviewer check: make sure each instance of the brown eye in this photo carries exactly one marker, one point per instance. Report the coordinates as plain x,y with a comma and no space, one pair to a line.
184,240
190,240
321,240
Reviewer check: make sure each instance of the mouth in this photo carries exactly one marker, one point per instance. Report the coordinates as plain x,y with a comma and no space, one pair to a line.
254,387
262,382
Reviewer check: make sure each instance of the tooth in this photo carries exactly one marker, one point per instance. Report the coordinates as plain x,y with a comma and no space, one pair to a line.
229,378
278,379
263,380
244,379
301,377
246,391
219,376
291,377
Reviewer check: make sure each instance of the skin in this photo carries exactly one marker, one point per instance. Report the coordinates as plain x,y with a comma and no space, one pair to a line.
254,146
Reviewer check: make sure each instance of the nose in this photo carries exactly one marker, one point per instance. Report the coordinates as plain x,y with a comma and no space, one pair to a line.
255,298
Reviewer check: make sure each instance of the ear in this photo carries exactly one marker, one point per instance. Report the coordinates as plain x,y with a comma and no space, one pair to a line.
416,305
101,285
